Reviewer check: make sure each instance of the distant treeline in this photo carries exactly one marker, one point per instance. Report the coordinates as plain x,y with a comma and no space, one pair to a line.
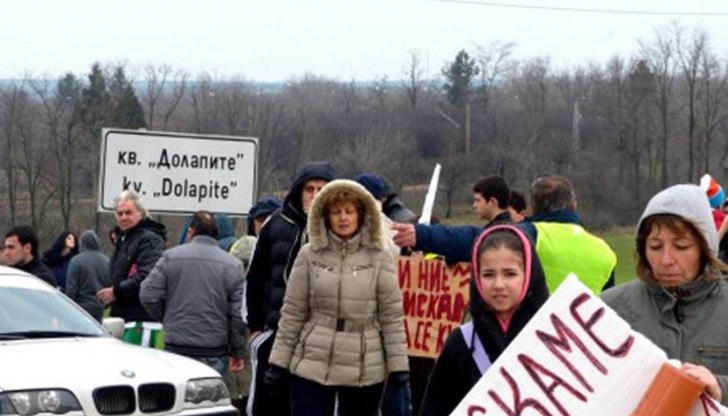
620,130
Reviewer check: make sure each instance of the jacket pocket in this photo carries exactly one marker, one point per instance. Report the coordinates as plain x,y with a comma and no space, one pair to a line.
301,347
323,266
715,358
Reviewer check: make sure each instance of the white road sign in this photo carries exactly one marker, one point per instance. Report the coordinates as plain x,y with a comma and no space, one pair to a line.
179,173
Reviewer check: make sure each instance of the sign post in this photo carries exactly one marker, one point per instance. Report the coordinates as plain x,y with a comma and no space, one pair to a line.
179,173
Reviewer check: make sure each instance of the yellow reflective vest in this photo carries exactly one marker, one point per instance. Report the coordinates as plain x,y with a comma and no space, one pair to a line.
568,248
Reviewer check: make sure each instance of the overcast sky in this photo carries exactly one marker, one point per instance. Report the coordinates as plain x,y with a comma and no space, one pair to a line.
274,40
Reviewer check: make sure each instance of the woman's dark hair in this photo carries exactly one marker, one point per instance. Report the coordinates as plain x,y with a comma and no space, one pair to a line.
501,238
344,196
55,253
710,266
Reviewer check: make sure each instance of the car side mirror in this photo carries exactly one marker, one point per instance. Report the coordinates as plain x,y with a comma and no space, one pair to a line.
115,326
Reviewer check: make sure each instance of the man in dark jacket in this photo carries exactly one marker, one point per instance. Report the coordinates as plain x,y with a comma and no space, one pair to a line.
140,244
196,290
490,203
21,252
393,207
88,272
276,249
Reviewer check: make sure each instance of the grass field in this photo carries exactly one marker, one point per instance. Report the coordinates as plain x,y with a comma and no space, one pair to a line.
622,242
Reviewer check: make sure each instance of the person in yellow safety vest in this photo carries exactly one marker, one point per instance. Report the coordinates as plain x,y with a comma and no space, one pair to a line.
562,243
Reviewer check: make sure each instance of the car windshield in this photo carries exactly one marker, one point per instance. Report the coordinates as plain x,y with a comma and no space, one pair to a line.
29,313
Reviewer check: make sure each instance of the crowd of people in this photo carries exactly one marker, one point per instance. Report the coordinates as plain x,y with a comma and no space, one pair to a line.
303,315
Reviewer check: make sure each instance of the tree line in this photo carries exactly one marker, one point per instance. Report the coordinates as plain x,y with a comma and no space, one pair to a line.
621,130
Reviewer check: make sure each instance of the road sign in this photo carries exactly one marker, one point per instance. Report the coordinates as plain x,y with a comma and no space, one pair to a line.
179,173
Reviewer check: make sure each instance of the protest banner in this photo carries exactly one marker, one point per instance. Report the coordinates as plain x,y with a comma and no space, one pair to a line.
575,357
435,298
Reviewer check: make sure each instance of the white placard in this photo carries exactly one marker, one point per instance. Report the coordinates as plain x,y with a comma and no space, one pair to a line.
575,357
179,173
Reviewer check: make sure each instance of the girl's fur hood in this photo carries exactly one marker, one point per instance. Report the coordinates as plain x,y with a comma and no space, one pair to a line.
371,230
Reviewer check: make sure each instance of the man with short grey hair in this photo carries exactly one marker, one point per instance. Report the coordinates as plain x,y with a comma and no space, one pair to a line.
140,243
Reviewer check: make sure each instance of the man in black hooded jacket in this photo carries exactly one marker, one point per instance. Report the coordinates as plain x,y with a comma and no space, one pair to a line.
276,249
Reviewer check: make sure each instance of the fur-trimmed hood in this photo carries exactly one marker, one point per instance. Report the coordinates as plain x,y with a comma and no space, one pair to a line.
371,234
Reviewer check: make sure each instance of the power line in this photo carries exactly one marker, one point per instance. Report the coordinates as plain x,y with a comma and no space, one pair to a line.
580,10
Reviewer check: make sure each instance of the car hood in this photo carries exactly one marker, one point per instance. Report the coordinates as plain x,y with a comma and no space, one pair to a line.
48,363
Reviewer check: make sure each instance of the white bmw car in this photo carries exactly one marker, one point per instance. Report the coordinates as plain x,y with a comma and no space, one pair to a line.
57,360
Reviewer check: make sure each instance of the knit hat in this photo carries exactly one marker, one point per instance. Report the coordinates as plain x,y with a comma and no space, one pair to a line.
264,207
685,201
715,192
373,183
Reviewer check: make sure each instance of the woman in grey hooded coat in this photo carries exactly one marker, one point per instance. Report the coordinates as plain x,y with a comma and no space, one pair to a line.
680,301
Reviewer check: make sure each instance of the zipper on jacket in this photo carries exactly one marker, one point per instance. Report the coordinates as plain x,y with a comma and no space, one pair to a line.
338,308
290,253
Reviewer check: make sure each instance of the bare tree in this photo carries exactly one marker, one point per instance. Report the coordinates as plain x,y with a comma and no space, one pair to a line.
660,56
532,84
236,96
32,160
13,96
413,84
154,87
60,122
162,92
712,103
690,54
206,103
494,61
350,96
380,92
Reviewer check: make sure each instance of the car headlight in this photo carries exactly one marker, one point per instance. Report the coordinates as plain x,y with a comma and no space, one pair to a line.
202,389
31,402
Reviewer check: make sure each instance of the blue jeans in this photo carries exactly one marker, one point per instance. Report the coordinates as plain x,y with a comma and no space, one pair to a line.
219,363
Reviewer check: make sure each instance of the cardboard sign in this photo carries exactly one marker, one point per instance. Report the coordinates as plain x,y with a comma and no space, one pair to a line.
435,299
575,357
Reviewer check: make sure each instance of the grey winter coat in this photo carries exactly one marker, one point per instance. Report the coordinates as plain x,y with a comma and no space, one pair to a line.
342,321
689,325
88,272
687,322
196,290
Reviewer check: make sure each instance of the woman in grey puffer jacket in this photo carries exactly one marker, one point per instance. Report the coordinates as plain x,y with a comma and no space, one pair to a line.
342,323
680,301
